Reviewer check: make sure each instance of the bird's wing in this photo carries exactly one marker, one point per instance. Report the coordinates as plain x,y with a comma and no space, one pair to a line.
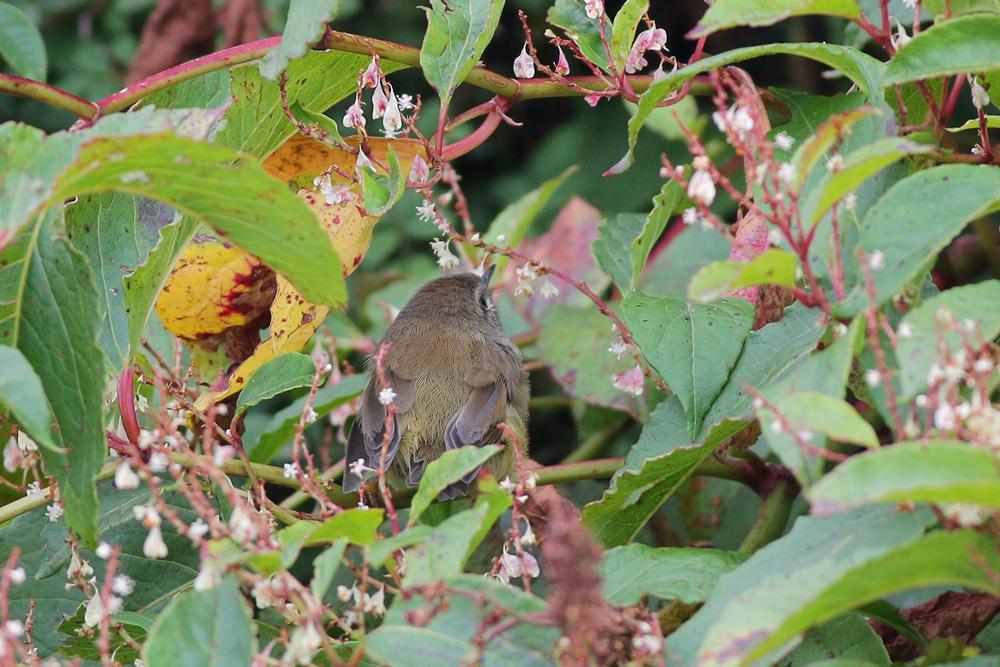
368,431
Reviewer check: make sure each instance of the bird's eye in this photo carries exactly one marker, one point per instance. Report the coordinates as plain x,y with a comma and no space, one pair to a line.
484,301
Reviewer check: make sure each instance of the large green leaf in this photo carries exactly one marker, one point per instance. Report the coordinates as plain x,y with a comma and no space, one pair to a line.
457,34
210,628
935,205
22,394
692,346
848,637
49,310
45,556
964,44
860,68
306,22
448,637
918,351
585,31
662,459
358,526
685,574
21,45
669,270
724,14
772,267
939,471
748,612
623,30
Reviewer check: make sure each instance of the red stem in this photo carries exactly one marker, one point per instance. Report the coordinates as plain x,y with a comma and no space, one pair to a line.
126,404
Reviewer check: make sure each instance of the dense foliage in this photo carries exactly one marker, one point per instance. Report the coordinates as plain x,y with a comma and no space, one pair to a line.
761,323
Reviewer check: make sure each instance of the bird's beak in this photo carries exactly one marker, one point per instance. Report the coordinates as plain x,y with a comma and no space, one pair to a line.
488,273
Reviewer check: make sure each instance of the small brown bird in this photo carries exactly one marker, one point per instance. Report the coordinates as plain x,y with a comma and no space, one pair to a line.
455,376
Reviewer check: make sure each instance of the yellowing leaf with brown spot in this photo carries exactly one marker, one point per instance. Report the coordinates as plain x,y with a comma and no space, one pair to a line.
300,160
213,287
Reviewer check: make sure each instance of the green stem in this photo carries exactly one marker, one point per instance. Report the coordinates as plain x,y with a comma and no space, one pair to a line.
26,504
43,92
771,518
596,443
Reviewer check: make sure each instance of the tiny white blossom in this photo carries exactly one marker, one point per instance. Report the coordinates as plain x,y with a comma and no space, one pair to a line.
901,38
35,490
54,511
363,162
783,140
94,611
690,215
774,237
980,98
78,567
405,102
304,643
787,173
154,546
370,78
242,525
358,468
18,576
524,66
290,470
850,201
344,594
103,551
618,348
593,8
524,288
309,416
873,377
209,576
944,417
507,484
701,187
146,438
13,628
777,427
446,259
528,535
921,401
549,291
355,116
380,102
374,603
426,211
392,120
386,395
158,462
965,515
905,330
835,163
501,238
982,365
123,585
631,381
222,454
420,171
876,261
198,529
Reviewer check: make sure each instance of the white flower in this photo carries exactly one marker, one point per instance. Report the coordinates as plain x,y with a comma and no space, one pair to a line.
593,8
158,462
222,454
54,511
290,470
419,172
154,546
358,468
344,594
242,525
736,119
446,259
95,611
524,288
374,603
426,211
78,567
963,410
850,201
510,567
380,102
103,551
982,365
355,116
304,643
701,188
13,628
208,577
876,261
651,39
531,481
774,237
965,515
18,576
198,529
910,4
787,173
363,162
630,381
921,401
123,585
524,66
783,140
549,290
905,330
777,427
392,120
386,395
501,238
980,98
530,565
147,438
835,163
309,416
562,65
35,490
507,484
690,215
405,102
528,536
370,78
944,417
618,348
873,377
901,38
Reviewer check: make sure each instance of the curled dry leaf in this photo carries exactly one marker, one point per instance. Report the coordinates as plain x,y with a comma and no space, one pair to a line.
769,300
293,319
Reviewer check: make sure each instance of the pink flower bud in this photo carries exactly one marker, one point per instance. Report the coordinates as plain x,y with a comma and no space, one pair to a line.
392,121
370,78
524,66
562,65
355,116
379,102
701,188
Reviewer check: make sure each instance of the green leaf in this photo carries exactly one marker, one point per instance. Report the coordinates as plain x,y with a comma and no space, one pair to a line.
264,446
992,122
49,310
358,526
623,30
779,582
918,351
831,131
449,636
447,548
859,165
325,566
21,392
379,196
627,239
585,31
770,355
656,466
234,196
580,371
256,122
447,468
210,628
281,374
939,471
860,68
21,44
685,574
45,555
848,637
960,45
324,123
306,22
457,34
670,269
936,204
691,346
379,552
772,267
827,415
724,14
515,220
